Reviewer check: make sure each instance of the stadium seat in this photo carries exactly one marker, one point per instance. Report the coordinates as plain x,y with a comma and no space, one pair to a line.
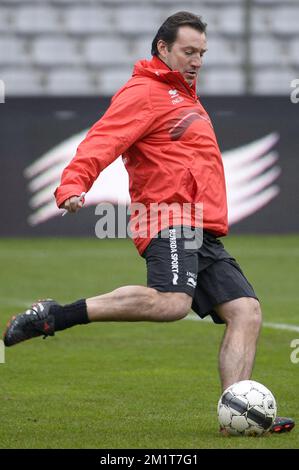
110,80
273,2
87,20
55,51
216,81
223,51
286,20
22,81
275,20
102,51
165,3
5,20
69,2
294,54
272,81
125,2
227,20
261,20
232,20
193,5
269,51
69,81
37,19
12,51
13,2
142,49
136,21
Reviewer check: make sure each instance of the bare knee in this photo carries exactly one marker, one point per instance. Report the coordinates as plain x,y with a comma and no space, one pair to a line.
244,312
253,314
256,313
172,306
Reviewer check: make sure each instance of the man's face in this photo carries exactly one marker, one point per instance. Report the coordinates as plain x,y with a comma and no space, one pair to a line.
186,53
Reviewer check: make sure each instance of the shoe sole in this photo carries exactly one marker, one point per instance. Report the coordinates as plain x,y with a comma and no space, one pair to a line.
284,428
278,429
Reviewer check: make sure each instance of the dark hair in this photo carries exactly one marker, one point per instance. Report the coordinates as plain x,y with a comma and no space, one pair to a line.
169,29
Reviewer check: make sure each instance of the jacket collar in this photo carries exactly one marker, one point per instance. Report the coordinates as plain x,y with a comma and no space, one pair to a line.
157,69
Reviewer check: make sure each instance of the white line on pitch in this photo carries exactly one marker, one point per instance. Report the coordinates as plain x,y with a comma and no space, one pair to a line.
275,326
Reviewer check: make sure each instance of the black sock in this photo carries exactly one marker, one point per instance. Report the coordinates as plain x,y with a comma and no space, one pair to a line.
69,315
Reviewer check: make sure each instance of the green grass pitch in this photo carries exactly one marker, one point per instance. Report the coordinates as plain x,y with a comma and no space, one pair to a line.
135,385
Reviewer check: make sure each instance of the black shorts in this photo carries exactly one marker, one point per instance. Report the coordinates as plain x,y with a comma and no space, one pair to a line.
208,273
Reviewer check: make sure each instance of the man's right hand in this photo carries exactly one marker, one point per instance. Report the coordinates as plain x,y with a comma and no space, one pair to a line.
73,204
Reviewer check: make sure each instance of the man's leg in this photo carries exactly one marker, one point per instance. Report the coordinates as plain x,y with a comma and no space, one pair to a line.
130,303
138,303
237,352
243,319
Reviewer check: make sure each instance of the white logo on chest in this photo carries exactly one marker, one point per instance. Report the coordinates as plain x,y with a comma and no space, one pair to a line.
175,97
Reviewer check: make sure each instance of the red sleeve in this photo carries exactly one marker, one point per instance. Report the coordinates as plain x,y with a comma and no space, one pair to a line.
126,120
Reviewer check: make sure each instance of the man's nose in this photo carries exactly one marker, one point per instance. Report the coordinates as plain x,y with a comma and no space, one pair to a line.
196,61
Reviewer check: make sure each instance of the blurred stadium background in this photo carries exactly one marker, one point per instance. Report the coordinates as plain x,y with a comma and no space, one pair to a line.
87,47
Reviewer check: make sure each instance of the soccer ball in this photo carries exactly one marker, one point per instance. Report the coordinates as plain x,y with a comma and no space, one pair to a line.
246,408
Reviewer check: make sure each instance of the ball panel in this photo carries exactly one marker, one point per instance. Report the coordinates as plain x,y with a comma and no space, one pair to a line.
239,423
269,405
255,398
241,388
260,387
237,404
224,415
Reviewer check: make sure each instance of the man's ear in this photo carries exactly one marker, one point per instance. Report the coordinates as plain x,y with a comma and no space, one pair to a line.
162,48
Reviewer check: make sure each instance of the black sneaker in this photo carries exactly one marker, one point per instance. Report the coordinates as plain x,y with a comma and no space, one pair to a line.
36,321
282,425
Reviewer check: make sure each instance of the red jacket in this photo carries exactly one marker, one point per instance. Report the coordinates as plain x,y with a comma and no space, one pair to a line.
156,122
